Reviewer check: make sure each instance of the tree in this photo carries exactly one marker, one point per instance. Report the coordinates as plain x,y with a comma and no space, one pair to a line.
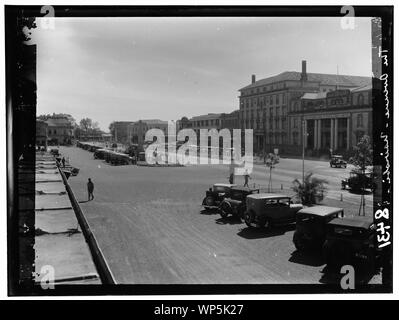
362,158
311,191
86,124
271,162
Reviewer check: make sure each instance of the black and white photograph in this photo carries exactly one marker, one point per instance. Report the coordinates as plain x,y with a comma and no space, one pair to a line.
199,150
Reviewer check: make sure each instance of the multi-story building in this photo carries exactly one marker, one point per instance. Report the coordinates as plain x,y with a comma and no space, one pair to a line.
230,120
121,131
59,130
41,133
330,121
138,129
264,104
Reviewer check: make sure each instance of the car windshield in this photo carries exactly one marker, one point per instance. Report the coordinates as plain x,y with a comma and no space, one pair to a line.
281,202
309,218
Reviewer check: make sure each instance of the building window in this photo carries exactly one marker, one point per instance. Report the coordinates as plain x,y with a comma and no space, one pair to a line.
295,139
295,123
359,120
360,100
277,99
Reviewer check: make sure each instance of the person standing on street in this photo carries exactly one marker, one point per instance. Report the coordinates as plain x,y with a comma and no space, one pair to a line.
90,189
246,177
63,162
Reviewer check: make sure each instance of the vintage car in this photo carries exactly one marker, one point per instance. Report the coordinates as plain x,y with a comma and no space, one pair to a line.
267,209
358,180
337,161
100,154
54,152
311,226
235,203
351,241
215,195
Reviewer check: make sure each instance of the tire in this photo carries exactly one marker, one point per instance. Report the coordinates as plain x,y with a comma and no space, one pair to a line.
299,244
249,218
209,201
225,209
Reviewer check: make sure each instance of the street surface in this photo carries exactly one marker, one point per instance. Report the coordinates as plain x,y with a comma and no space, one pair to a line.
150,225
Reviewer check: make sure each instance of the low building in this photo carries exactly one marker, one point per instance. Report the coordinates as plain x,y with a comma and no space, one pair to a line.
59,131
41,133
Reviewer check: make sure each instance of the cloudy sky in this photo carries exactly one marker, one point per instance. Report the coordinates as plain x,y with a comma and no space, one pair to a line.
141,68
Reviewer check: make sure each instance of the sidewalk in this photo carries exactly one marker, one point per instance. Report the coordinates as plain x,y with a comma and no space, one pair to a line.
59,243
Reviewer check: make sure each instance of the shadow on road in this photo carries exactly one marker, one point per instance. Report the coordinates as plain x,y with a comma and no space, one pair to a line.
229,220
209,212
308,258
259,233
333,276
83,201
359,192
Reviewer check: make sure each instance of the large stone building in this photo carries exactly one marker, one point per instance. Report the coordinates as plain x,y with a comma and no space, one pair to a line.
59,130
41,133
330,121
265,104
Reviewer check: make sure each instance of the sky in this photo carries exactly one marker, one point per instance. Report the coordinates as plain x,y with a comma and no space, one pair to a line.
126,69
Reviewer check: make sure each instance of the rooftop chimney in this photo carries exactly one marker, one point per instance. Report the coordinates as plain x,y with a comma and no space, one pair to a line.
253,78
304,76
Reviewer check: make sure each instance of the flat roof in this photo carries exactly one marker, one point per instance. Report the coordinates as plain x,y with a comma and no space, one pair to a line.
320,210
268,196
244,188
355,221
224,185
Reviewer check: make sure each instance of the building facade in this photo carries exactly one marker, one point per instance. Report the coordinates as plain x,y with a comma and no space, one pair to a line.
121,131
265,104
59,130
331,122
138,129
41,133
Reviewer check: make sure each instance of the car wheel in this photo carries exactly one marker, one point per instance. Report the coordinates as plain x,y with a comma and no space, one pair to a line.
209,201
249,218
298,242
224,210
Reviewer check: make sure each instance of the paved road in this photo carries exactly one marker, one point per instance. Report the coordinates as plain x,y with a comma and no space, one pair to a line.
149,224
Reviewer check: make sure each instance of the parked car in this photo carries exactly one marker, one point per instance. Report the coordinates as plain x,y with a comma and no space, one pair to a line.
54,152
215,195
100,154
311,226
267,209
337,161
357,180
351,241
235,203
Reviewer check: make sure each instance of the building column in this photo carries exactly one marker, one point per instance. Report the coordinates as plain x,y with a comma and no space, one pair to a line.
318,134
336,134
315,135
348,133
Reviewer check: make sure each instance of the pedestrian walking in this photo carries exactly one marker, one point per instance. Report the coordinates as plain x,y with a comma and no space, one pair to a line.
90,189
231,178
246,177
63,162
